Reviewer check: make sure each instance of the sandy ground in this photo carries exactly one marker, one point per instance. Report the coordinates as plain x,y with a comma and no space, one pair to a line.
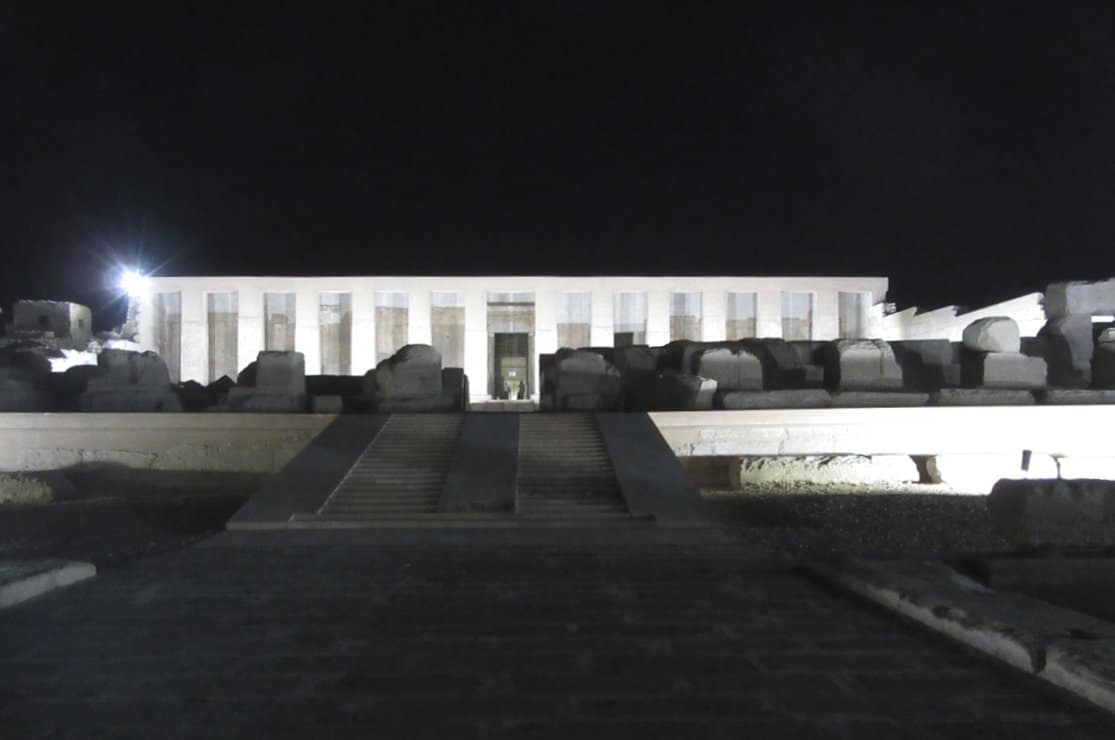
109,516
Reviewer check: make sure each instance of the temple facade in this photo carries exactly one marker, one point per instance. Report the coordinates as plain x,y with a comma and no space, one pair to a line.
493,327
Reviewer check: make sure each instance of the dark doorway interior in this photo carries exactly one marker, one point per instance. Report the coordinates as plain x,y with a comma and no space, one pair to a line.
512,365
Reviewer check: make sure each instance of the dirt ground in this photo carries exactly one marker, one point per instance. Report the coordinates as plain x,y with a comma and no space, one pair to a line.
108,516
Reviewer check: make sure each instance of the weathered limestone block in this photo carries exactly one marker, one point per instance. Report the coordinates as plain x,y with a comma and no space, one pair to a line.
983,397
1080,298
326,404
1054,512
839,470
783,367
672,391
927,364
993,334
878,399
129,382
118,367
1103,360
24,378
1009,370
862,365
262,401
1068,350
586,381
806,398
733,369
637,359
1077,396
274,384
414,372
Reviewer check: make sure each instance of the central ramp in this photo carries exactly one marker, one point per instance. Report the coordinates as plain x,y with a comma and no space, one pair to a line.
402,472
421,473
564,469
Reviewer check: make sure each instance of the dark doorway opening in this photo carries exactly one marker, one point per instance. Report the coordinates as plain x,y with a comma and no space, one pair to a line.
512,365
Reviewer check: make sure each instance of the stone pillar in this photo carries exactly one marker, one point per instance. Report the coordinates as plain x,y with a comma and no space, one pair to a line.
418,317
363,331
545,332
658,317
143,305
603,330
195,335
768,307
249,328
476,343
713,325
306,331
826,315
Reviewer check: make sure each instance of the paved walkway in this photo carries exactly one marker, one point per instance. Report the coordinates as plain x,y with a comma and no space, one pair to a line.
485,642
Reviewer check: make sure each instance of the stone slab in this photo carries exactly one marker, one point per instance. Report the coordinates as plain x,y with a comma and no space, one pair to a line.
993,334
1070,650
878,399
807,398
650,477
23,580
302,486
1077,396
1035,512
982,397
483,474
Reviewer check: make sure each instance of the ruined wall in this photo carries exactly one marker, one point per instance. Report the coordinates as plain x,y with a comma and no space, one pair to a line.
335,333
391,322
223,330
168,332
797,316
279,321
741,316
447,327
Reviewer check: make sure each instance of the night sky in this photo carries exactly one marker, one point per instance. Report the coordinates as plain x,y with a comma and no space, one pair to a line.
965,150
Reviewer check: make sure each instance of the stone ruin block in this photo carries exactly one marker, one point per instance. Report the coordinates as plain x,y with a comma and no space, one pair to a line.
327,404
636,359
24,380
733,368
274,384
805,398
1103,360
783,366
1080,298
1068,347
878,399
673,391
1078,512
927,364
1005,370
982,397
412,373
993,334
412,380
129,382
584,381
862,365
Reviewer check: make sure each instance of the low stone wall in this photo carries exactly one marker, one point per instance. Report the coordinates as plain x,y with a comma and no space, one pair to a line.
247,443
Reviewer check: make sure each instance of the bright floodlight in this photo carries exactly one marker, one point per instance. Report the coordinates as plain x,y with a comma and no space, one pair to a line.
133,283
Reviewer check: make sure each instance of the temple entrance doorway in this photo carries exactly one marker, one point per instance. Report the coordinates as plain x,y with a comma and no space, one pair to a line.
512,360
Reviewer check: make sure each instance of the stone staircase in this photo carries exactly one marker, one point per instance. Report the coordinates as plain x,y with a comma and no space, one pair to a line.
564,470
402,472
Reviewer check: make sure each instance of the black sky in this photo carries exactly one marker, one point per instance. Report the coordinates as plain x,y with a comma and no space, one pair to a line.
966,150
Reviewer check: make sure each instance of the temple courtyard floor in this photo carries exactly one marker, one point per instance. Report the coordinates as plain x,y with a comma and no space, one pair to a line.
187,632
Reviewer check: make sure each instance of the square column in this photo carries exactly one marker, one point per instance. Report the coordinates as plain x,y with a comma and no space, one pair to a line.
249,325
545,334
476,343
658,317
768,309
418,317
713,325
306,331
363,331
602,333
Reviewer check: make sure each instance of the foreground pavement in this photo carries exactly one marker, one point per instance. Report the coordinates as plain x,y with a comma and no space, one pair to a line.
518,641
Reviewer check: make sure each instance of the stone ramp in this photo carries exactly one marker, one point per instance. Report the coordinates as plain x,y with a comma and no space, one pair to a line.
564,469
401,473
439,472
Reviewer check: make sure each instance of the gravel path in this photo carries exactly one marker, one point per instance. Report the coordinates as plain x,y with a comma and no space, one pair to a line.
911,521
